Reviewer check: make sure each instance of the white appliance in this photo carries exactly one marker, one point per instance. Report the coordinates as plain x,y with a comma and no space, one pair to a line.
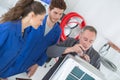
75,68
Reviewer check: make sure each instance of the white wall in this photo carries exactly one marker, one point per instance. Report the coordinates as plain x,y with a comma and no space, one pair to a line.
5,5
104,16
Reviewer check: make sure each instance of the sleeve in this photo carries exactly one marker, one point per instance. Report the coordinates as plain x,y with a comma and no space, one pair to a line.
3,33
57,49
98,63
42,59
95,58
3,37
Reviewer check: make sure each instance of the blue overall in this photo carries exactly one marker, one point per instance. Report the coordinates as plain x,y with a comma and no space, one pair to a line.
28,50
11,43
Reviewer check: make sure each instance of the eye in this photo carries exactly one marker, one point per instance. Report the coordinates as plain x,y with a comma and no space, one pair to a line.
91,41
61,14
85,39
55,12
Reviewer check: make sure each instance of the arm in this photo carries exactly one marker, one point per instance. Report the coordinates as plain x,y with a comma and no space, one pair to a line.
95,59
3,37
64,47
58,49
42,59
32,70
114,46
55,51
98,63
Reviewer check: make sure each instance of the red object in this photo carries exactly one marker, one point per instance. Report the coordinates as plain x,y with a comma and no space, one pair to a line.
65,20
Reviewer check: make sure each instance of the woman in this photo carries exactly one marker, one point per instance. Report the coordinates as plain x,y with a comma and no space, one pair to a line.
17,28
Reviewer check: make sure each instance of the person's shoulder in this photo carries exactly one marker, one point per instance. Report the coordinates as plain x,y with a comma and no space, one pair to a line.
57,27
71,39
5,25
45,19
4,28
9,25
94,52
57,24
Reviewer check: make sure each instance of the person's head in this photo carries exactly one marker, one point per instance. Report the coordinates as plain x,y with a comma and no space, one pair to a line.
56,9
26,8
87,36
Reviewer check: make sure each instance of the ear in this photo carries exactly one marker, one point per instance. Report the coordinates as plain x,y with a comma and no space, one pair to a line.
31,14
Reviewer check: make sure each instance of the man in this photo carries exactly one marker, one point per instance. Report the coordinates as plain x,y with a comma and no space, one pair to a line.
82,47
48,33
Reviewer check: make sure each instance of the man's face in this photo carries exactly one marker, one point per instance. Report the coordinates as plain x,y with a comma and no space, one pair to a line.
87,38
55,14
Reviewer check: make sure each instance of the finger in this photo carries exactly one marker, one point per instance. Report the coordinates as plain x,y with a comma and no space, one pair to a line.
80,54
83,49
30,73
87,58
78,50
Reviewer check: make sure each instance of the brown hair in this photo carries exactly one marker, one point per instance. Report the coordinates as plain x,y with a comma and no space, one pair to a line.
22,8
57,4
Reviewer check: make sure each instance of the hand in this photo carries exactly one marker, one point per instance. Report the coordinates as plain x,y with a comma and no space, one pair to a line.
32,70
86,57
78,48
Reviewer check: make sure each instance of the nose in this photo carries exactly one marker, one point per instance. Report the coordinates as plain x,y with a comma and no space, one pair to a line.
58,16
87,44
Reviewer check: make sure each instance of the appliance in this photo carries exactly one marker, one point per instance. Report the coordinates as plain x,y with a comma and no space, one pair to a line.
75,68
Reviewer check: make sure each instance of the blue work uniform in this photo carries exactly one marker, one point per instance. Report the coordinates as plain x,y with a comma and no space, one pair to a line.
33,49
38,53
11,43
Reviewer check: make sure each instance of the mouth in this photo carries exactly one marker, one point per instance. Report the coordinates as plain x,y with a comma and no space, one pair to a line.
55,19
85,47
